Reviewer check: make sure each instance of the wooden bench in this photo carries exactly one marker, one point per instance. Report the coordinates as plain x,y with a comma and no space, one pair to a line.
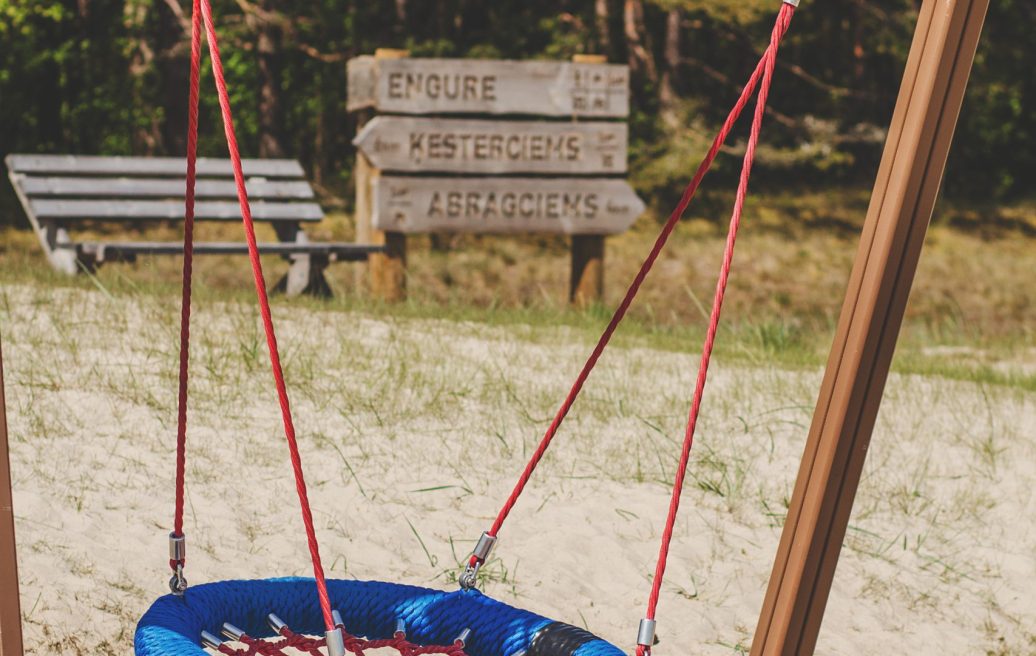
60,192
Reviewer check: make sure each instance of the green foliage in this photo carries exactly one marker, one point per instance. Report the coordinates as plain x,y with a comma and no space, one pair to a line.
995,153
110,76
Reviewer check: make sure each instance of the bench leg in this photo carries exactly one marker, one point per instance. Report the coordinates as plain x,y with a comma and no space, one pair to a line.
306,273
305,276
52,236
58,247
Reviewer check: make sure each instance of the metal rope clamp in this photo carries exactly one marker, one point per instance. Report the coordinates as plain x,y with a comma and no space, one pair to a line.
335,641
646,634
485,545
177,553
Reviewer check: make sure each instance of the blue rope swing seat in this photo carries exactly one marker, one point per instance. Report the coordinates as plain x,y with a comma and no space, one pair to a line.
371,609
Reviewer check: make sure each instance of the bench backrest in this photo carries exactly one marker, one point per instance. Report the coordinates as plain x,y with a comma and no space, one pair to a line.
65,188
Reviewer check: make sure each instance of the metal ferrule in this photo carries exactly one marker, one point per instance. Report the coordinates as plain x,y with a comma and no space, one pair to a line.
646,633
336,617
231,632
400,631
210,641
793,3
277,624
462,638
484,547
177,547
335,642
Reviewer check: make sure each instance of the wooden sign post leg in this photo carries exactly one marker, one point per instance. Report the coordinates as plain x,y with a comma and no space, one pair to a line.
387,269
587,281
904,195
10,610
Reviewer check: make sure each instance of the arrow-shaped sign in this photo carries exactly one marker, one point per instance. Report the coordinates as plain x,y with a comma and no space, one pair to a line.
395,143
474,86
504,205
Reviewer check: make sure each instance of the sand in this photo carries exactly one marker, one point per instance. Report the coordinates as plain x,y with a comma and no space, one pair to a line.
412,434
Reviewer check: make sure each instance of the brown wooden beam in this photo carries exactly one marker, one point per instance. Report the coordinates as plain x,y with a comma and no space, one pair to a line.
10,611
586,282
901,207
387,267
586,286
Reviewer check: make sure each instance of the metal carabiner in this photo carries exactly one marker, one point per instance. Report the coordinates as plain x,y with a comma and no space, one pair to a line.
469,579
178,584
481,552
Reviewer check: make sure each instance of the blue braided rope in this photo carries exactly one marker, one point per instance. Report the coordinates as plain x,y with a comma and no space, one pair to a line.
173,625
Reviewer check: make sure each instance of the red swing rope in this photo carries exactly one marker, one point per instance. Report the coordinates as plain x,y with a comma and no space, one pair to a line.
783,21
764,73
260,288
769,62
188,265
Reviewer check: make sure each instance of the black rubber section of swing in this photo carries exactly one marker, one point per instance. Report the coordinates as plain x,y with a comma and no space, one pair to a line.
559,639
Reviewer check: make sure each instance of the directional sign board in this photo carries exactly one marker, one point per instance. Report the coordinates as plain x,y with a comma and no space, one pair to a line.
395,143
464,145
504,205
472,86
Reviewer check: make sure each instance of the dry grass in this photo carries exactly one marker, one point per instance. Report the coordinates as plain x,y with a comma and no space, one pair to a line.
971,313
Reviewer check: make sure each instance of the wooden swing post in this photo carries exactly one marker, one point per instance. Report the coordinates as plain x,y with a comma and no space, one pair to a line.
10,611
911,171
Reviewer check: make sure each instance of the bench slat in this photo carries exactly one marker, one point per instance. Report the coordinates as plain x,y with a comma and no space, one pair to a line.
171,209
120,250
139,166
161,187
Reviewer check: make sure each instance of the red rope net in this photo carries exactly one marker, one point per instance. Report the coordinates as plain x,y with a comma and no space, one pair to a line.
292,644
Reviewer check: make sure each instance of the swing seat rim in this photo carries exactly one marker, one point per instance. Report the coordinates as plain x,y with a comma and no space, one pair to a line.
172,626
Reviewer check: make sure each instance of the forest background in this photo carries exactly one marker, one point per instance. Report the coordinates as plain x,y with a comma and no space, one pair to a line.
109,77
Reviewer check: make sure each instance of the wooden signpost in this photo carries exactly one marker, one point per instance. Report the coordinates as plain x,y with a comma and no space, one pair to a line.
419,174
10,612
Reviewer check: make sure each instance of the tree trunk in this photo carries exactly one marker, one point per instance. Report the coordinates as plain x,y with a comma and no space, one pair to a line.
401,25
146,139
858,50
641,59
668,92
173,40
602,23
271,142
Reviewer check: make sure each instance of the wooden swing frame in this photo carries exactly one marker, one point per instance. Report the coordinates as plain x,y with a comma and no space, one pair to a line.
919,140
